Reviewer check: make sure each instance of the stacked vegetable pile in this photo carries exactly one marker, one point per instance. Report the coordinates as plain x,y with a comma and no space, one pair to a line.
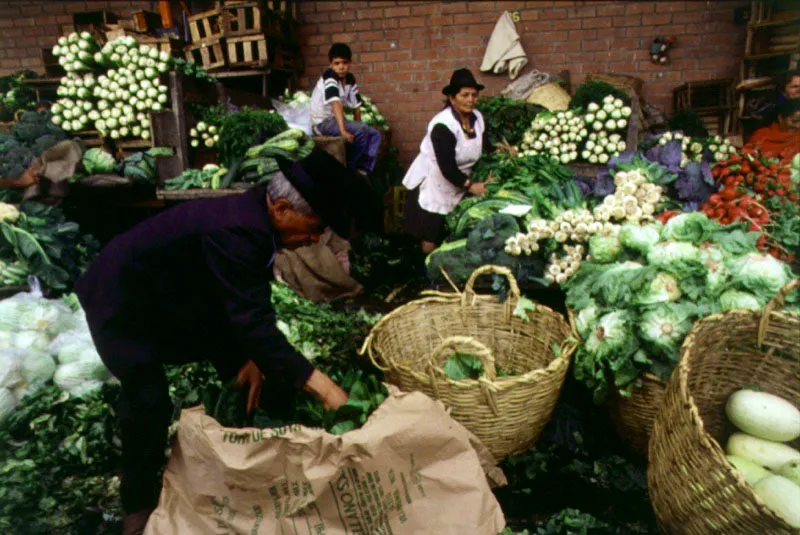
519,190
640,292
206,178
43,340
30,137
760,192
760,452
38,240
112,89
507,119
634,201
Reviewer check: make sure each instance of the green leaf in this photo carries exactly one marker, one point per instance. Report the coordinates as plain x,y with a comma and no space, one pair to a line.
524,305
463,366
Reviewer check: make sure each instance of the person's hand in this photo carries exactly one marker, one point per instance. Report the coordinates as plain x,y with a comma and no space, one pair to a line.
477,188
250,375
348,137
328,392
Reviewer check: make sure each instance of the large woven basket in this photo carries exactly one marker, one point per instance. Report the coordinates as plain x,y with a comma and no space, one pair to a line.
507,413
693,487
633,417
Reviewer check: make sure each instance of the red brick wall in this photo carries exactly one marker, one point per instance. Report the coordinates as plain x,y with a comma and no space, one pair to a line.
27,26
405,51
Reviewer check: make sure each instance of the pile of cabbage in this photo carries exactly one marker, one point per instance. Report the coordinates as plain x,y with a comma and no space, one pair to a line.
641,290
43,340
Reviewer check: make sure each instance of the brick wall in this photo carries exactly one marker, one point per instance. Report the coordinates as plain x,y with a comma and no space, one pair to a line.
27,26
405,51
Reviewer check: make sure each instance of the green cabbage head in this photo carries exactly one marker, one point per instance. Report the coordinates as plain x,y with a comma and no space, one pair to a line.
760,273
738,300
640,237
665,328
604,249
689,227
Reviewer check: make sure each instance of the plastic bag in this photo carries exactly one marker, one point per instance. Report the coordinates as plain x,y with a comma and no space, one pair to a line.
297,116
73,345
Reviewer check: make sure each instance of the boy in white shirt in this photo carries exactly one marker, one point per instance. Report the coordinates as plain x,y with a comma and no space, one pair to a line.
336,89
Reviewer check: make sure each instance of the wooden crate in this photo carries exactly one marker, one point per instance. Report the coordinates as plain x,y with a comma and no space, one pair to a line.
128,146
394,205
247,51
206,26
142,21
282,56
209,54
91,21
720,122
704,95
287,9
243,18
88,138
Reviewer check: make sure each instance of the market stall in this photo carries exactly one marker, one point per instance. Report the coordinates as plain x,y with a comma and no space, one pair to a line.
605,342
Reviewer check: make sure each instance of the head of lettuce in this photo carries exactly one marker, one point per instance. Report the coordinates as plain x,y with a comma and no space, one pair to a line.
193,283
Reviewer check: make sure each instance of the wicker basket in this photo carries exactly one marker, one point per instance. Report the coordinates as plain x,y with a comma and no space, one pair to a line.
506,413
693,487
633,417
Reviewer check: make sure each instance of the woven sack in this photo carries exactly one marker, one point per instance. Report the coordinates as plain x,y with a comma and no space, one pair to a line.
693,487
633,417
551,96
411,344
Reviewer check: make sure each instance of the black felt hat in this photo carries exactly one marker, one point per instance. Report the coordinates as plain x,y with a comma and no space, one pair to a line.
461,78
334,192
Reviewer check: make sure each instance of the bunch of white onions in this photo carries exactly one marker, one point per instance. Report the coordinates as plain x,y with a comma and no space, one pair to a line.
558,135
208,134
75,52
634,200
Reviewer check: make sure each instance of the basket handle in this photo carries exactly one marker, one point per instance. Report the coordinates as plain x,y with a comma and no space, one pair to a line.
775,305
469,291
444,349
485,381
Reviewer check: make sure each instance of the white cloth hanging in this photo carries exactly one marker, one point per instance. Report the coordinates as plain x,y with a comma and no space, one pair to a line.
504,51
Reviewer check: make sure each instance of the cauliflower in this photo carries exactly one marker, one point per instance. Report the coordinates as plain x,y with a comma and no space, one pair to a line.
8,213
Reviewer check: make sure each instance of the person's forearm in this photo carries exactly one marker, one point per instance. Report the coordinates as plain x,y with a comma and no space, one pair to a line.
338,114
357,114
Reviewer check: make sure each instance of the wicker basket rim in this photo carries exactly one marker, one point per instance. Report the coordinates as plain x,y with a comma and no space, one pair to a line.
709,443
568,346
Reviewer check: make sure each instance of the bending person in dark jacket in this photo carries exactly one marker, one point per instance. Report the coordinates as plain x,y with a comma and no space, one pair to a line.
193,283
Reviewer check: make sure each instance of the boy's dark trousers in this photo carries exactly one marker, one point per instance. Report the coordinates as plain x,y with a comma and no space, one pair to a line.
363,153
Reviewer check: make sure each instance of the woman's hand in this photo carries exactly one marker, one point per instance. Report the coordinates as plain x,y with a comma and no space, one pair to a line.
477,188
328,392
250,375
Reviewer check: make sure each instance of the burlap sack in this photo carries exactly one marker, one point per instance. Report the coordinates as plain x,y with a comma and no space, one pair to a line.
410,470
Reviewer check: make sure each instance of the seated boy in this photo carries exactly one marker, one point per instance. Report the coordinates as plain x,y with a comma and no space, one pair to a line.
335,89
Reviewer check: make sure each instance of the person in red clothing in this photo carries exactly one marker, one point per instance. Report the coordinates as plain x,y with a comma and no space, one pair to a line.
781,139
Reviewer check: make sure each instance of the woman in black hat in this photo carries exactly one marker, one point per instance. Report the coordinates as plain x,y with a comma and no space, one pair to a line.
439,177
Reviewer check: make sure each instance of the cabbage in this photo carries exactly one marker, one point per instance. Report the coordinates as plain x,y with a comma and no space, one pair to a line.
762,274
735,299
604,249
51,317
586,319
97,162
689,227
6,339
640,238
662,289
665,328
81,377
31,340
667,253
36,366
73,346
7,403
9,375
10,310
611,334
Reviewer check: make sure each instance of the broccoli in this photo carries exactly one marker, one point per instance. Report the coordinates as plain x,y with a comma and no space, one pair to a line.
30,138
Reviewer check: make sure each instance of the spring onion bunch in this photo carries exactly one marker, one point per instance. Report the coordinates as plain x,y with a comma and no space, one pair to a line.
76,52
207,134
557,134
607,121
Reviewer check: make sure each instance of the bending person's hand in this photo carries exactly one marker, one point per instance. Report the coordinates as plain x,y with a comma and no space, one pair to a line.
348,137
477,188
328,392
250,375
